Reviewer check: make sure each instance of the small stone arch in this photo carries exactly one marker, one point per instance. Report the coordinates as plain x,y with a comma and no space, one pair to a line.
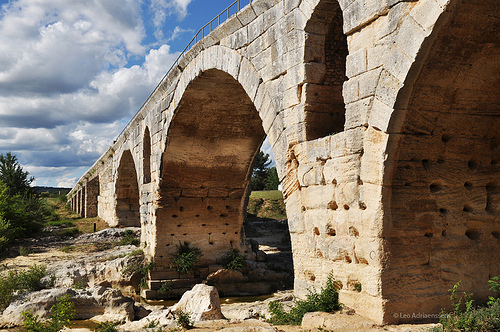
127,192
441,174
326,51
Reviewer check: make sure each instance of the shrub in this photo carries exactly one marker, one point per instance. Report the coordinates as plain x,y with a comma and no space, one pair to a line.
24,281
326,301
186,258
141,266
466,317
61,314
184,319
233,260
129,238
106,327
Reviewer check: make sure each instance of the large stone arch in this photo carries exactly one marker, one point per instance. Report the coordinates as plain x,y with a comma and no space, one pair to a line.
211,142
127,192
441,179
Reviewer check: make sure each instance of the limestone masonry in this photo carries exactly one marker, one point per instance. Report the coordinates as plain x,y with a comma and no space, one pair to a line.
384,120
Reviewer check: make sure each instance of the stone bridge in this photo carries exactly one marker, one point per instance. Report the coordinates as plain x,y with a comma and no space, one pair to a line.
384,120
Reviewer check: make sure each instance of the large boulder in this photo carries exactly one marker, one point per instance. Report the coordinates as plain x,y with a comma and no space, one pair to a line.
97,303
201,302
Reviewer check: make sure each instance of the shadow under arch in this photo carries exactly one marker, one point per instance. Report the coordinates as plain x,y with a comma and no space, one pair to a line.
212,140
441,175
326,46
127,192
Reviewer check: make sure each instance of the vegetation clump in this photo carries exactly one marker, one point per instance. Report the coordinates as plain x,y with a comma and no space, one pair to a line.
139,265
467,317
184,320
129,238
186,258
326,301
106,327
61,314
233,260
24,281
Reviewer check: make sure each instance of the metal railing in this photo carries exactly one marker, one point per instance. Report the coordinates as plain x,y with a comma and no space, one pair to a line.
214,23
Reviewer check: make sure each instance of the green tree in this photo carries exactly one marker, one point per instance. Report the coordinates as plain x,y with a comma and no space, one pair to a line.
260,171
272,180
13,176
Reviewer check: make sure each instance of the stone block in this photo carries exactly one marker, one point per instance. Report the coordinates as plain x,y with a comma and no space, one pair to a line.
360,12
310,174
318,197
246,15
427,13
388,88
356,63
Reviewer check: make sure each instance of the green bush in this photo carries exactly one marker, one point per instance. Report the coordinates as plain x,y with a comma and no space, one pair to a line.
61,314
186,258
24,281
106,327
184,320
467,317
129,238
139,265
326,301
233,260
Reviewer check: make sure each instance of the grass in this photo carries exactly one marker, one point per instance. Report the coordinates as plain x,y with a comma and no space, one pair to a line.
268,194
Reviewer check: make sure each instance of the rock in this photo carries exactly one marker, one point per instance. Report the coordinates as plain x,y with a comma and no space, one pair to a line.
97,269
225,276
161,318
97,303
201,302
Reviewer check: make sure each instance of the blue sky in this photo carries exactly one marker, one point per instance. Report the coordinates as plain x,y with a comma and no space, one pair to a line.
72,73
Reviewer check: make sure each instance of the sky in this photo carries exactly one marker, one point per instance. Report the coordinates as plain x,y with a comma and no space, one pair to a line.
74,72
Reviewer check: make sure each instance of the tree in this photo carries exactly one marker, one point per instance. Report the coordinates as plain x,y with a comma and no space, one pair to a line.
272,180
260,171
13,176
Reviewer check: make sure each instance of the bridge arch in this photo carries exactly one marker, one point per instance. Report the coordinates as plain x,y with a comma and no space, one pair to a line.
127,192
442,177
212,140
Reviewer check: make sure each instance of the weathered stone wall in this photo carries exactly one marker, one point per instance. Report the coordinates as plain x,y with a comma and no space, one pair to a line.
383,118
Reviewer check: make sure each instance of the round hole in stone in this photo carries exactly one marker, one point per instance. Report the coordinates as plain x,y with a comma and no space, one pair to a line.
303,208
197,216
496,235
440,161
346,207
425,163
235,233
443,211
227,224
362,205
184,234
316,230
168,244
348,259
331,231
179,225
467,208
209,208
203,225
332,205
472,164
446,138
494,162
473,234
211,243
407,184
172,234
353,231
429,235
334,181
181,208
443,233
223,215
228,208
435,187
174,216
223,233
468,185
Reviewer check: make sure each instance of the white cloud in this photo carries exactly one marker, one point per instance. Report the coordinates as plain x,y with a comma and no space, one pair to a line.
65,88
